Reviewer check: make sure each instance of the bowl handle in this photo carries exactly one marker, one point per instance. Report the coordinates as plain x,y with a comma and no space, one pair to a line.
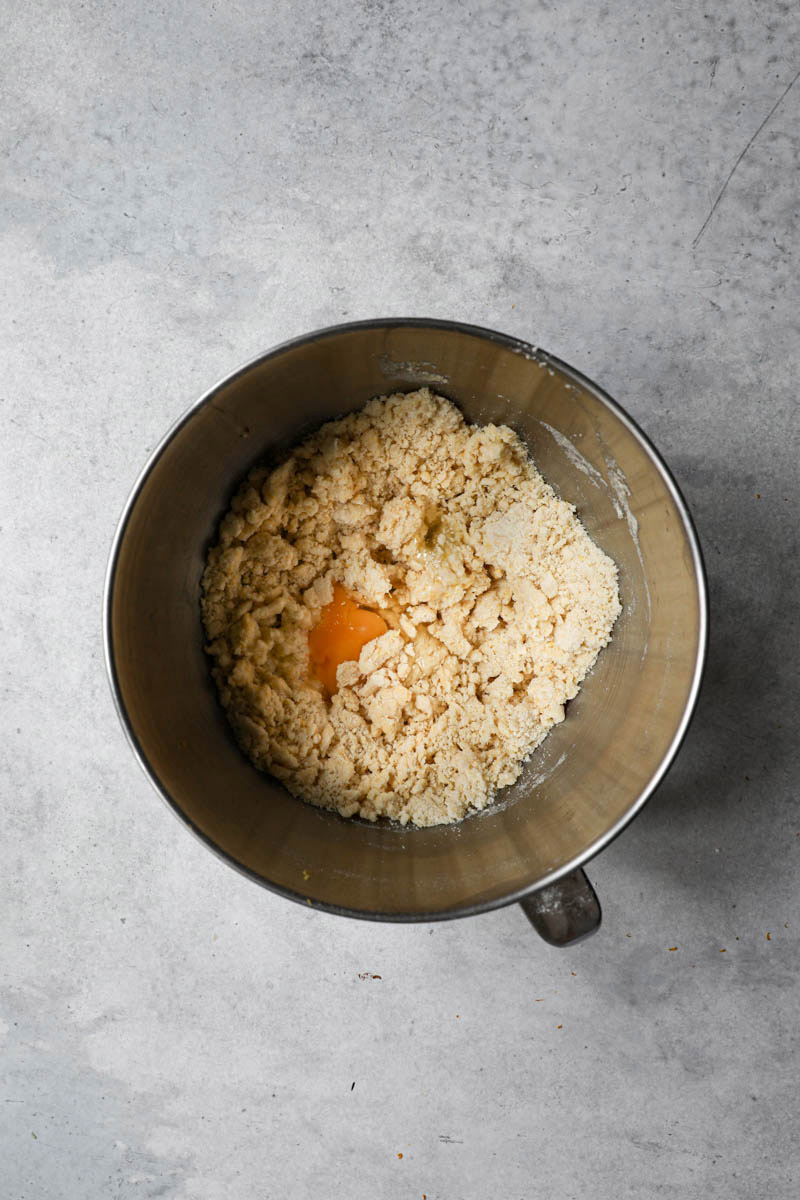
565,912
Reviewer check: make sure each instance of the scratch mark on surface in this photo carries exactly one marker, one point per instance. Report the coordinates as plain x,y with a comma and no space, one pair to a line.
734,168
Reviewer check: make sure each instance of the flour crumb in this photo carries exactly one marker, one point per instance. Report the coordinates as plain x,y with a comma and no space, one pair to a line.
496,599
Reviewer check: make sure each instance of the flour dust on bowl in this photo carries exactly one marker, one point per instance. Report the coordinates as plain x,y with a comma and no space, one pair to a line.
593,772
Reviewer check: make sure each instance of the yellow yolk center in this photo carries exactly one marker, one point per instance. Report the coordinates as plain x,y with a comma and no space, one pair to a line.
339,636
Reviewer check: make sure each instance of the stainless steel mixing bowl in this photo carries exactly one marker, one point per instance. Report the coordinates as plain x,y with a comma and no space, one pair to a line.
593,773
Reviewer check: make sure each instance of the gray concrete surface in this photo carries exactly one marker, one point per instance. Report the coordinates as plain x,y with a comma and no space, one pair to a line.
185,184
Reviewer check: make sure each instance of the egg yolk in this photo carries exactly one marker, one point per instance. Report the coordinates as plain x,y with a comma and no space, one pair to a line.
343,629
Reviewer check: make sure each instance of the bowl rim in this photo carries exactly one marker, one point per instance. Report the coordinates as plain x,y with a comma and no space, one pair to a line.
516,345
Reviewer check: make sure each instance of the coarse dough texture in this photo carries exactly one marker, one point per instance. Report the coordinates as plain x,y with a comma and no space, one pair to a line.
496,599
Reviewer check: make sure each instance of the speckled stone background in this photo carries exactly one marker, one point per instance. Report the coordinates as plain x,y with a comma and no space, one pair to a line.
185,184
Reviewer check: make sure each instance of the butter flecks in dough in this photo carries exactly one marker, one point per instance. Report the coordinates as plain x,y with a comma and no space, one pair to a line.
497,602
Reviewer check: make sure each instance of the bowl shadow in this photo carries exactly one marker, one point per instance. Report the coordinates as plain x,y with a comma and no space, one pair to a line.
725,821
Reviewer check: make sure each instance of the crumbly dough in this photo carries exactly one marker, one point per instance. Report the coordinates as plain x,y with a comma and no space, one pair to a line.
497,603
